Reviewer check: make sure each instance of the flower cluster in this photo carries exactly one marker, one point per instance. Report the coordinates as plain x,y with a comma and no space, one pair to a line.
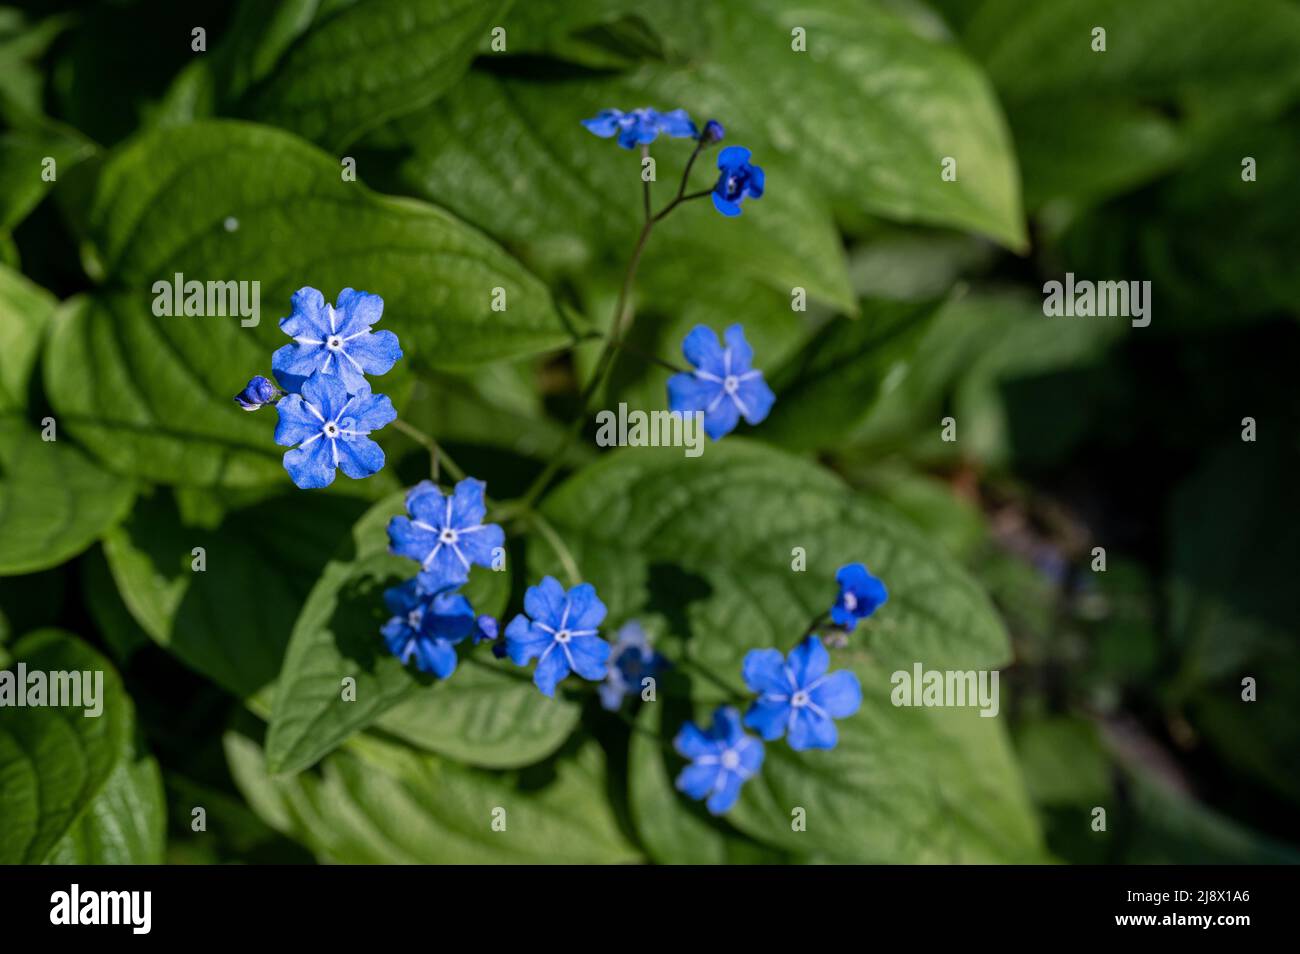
326,407
446,535
797,696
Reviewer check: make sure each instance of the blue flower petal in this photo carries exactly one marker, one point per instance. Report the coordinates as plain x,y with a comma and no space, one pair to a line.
726,791
359,457
725,205
589,656
326,393
809,660
586,611
308,319
467,505
742,355
751,756
544,602
312,465
764,672
756,398
755,184
701,348
687,393
721,418
691,742
697,780
296,423
678,123
838,694
356,312
733,157
768,718
477,546
524,641
605,123
436,656
808,730
552,667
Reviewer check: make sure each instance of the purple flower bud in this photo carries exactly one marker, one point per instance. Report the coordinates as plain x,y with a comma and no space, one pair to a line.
258,392
713,132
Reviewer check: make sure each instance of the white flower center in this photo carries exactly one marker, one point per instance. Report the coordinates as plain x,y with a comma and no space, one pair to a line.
331,429
850,602
334,343
448,536
799,699
730,760
413,618
731,384
563,636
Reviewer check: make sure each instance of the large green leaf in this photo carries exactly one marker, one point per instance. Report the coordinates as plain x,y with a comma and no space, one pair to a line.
904,785
232,202
487,713
125,825
574,200
56,761
375,803
54,502
230,621
363,62
711,542
868,112
25,311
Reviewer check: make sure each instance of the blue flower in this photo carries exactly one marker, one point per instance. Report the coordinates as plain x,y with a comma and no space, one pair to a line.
426,626
722,759
797,695
331,429
485,629
723,385
258,392
560,630
446,535
640,126
738,180
631,659
334,340
713,132
861,594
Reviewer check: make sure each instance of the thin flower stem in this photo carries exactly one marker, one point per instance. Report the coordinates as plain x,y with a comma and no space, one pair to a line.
646,356
623,315
436,453
561,549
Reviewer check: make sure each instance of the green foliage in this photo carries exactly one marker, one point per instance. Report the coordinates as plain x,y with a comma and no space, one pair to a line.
397,146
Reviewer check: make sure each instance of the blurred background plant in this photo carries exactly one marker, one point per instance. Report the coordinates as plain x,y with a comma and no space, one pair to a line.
925,301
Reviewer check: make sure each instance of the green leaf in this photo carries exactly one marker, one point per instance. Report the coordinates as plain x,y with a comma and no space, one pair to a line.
55,761
54,502
25,311
867,113
23,172
833,383
375,803
231,621
487,713
125,825
711,542
364,62
911,785
572,200
220,201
